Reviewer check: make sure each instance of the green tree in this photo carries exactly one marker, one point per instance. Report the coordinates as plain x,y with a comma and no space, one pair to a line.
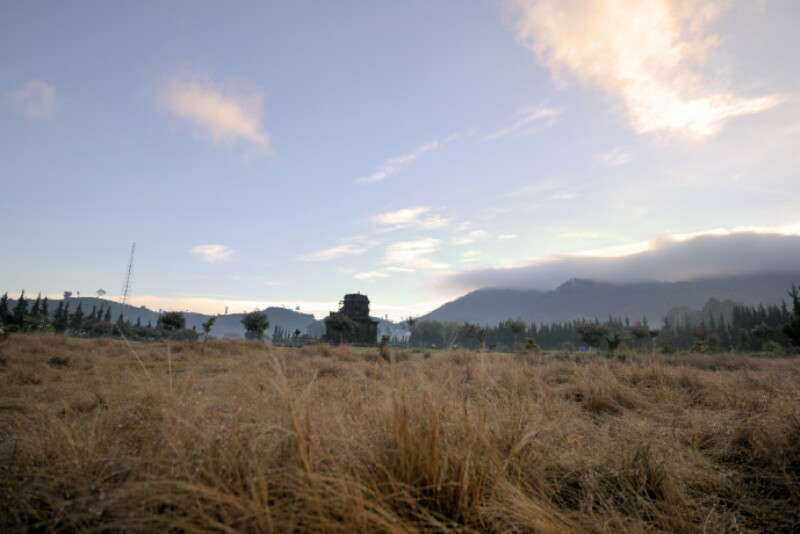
762,332
475,331
532,346
517,327
107,316
340,324
45,311
4,315
61,322
171,321
792,328
20,311
409,323
37,304
57,315
640,332
255,323
207,327
592,333
76,321
613,341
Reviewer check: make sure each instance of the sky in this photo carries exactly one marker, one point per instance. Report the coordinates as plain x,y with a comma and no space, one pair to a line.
287,153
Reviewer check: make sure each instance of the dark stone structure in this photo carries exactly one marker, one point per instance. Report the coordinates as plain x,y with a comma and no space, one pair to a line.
355,307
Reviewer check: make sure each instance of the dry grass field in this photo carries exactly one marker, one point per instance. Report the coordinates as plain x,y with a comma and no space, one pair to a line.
236,436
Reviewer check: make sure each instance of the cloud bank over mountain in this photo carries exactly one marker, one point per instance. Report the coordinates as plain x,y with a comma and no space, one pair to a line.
665,260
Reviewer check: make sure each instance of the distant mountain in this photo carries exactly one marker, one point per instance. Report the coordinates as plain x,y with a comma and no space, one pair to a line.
576,299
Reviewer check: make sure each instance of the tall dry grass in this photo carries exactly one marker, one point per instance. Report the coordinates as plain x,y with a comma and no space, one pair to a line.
233,436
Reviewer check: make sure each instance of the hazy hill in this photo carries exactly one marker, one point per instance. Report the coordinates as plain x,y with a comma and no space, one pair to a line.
226,324
586,299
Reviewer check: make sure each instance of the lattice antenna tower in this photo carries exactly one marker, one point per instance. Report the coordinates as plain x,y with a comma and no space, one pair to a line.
126,287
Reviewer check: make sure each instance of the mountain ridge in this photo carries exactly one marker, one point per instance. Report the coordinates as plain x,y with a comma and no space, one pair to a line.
586,299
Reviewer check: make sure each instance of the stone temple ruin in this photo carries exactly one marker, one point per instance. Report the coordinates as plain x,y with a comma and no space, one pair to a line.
362,329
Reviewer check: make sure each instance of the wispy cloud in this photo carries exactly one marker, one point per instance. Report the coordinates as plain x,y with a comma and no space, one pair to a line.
227,113
334,252
580,235
538,187
469,256
614,157
370,275
213,253
507,236
396,269
35,99
417,217
394,165
462,226
413,255
649,54
471,237
527,121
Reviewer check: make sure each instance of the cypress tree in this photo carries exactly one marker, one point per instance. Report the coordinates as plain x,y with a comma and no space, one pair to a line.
76,321
36,305
45,311
64,323
20,310
4,316
792,328
57,316
100,313
108,314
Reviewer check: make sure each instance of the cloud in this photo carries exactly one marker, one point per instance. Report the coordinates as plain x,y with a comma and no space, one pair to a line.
412,255
394,165
370,275
36,99
567,195
668,259
527,121
650,55
395,269
411,217
614,158
470,237
539,187
226,113
580,235
333,253
213,253
507,236
469,256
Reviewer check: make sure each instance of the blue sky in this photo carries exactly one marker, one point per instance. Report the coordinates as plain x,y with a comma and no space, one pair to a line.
288,153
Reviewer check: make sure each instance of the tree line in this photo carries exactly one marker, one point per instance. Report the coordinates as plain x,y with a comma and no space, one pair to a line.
720,326
27,316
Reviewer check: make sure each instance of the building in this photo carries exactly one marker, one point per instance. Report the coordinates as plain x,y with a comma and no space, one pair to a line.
352,323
